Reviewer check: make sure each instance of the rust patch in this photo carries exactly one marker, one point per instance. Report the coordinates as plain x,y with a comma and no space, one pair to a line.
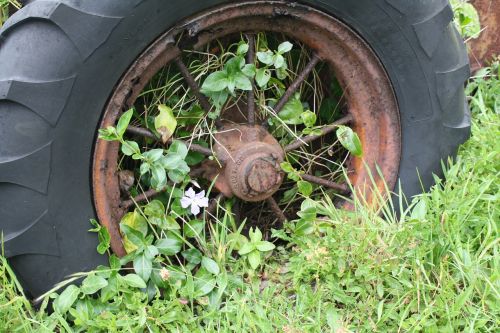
487,46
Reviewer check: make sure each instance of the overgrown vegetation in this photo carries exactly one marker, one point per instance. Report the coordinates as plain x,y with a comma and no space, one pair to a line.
437,269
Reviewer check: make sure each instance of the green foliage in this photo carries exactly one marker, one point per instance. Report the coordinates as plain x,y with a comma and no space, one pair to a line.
252,249
466,18
4,9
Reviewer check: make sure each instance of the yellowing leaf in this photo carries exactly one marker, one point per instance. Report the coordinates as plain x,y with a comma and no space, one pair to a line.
165,122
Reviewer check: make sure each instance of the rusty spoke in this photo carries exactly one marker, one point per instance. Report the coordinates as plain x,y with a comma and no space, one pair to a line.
149,194
195,88
324,131
326,183
296,83
276,209
148,134
251,96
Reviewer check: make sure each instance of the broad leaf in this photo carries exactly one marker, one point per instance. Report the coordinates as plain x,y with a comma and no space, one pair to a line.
169,246
165,123
285,47
64,301
134,281
210,265
264,246
216,81
290,114
350,140
92,284
123,122
305,188
262,77
254,259
143,267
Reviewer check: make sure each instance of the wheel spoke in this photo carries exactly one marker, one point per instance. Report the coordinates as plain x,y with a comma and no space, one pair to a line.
151,193
251,96
148,134
324,131
205,104
296,83
276,209
326,183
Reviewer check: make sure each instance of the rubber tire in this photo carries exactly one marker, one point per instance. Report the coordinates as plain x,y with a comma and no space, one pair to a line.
59,63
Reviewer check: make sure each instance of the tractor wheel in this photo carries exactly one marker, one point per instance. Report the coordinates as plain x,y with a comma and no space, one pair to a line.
390,71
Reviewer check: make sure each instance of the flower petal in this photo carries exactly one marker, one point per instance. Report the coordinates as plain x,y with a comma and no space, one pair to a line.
186,202
203,202
190,193
195,210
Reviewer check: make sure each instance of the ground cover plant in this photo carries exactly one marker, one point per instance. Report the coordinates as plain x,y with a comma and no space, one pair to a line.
330,270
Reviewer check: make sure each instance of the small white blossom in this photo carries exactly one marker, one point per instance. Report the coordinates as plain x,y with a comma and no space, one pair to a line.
195,200
164,274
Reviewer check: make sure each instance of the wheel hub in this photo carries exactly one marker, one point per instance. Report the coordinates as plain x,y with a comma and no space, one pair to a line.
251,158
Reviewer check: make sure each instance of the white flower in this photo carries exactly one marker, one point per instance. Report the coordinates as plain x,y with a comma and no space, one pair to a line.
164,274
195,200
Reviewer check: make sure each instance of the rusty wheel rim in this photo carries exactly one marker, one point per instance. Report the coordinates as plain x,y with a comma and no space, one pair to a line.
372,106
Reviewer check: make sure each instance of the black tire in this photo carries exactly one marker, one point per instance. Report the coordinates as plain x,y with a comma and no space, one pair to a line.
51,101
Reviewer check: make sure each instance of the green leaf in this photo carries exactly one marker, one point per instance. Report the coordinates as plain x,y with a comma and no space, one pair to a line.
255,235
262,77
249,70
123,122
136,221
143,267
264,246
204,282
108,134
265,57
194,158
287,167
132,239
193,228
285,47
279,61
192,256
114,262
254,259
110,290
153,155
64,301
154,208
290,114
308,118
305,188
158,177
237,240
103,237
165,123
242,82
242,49
349,140
130,148
169,246
281,73
216,81
134,281
419,211
210,265
246,249
303,227
178,148
92,284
